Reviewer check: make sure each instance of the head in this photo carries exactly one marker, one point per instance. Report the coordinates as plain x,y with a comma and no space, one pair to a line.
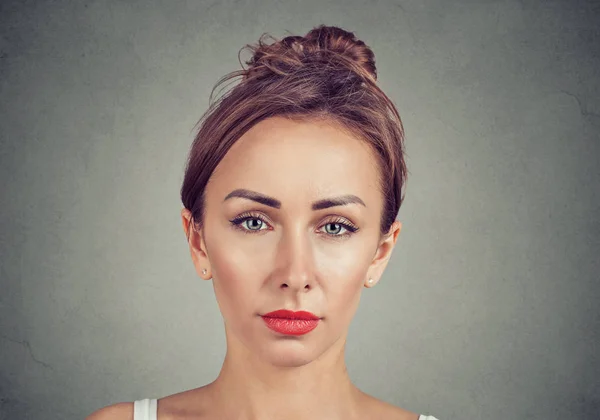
292,188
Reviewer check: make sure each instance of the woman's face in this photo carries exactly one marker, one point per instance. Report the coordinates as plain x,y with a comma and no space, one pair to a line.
289,255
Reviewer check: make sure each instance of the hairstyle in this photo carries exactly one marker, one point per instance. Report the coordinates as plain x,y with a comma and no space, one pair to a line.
327,75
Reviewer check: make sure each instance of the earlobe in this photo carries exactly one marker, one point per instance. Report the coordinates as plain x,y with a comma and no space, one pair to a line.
205,273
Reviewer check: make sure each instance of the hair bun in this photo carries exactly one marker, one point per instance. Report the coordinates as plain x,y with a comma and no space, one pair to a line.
345,43
325,43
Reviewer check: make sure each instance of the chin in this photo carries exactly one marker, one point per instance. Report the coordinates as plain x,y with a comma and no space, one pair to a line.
286,360
287,354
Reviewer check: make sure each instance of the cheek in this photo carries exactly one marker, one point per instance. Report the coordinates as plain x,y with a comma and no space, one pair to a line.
343,275
344,263
233,270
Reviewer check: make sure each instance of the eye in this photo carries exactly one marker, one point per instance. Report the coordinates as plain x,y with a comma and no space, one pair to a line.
256,222
333,227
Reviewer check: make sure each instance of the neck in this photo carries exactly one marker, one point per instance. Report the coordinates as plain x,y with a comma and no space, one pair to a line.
252,388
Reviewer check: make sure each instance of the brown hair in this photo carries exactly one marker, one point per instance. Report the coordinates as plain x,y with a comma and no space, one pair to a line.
327,75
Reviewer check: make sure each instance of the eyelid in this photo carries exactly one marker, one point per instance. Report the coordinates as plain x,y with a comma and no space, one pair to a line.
330,218
341,220
346,223
251,215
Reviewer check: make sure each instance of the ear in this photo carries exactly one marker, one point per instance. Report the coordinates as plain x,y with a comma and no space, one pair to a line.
197,245
383,253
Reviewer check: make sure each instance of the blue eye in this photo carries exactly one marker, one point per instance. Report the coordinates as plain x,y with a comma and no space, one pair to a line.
257,222
347,225
339,227
240,222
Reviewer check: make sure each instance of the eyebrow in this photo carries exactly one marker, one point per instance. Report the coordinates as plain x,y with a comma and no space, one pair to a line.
325,203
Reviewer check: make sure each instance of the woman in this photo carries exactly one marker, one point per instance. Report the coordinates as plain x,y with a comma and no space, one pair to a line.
290,196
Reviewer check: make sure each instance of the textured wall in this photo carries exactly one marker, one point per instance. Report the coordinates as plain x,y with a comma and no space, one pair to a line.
489,308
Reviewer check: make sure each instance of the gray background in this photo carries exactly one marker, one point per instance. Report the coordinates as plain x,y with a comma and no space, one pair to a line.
489,307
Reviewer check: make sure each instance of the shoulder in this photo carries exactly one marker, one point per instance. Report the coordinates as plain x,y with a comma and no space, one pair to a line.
194,403
119,411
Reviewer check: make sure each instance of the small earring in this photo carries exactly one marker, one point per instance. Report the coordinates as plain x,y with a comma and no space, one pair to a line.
204,271
370,281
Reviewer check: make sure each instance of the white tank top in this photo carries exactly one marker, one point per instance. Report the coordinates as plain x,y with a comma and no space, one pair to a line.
146,410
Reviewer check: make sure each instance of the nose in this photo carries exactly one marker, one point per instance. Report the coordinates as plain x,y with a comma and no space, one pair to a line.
295,262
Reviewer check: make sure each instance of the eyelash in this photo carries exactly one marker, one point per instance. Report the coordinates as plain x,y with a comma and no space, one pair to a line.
236,223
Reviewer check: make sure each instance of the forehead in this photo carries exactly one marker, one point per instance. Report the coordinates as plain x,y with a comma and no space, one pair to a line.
294,160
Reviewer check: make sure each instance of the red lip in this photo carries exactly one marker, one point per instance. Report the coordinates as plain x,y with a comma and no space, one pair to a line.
285,314
291,323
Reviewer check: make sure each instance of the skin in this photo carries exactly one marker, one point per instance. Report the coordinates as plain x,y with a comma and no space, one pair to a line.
290,259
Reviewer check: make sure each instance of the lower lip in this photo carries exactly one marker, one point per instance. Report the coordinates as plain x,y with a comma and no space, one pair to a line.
291,326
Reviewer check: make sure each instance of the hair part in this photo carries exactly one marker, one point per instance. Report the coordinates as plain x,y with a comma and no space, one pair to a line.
327,75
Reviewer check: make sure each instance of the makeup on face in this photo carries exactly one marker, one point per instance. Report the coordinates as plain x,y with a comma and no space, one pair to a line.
291,323
341,222
273,202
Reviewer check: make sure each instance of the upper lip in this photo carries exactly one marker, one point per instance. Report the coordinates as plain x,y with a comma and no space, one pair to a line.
284,313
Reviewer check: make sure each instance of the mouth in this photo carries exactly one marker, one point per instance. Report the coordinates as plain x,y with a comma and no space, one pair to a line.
290,322
285,314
